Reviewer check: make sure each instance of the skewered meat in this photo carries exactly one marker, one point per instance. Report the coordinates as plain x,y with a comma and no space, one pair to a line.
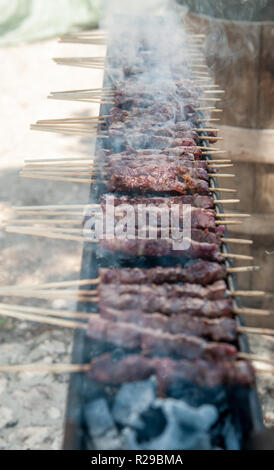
204,202
140,140
189,152
135,161
205,251
173,170
220,329
169,372
201,272
159,112
110,297
200,218
151,342
120,130
216,291
161,181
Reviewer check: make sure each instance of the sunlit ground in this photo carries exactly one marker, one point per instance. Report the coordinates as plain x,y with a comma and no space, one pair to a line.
31,408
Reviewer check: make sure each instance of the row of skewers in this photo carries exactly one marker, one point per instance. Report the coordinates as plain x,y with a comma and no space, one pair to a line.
181,320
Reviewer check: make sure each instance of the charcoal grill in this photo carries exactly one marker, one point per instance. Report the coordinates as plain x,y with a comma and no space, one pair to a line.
244,404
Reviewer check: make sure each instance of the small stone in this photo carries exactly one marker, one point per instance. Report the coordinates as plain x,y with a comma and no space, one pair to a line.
6,417
54,413
98,418
132,400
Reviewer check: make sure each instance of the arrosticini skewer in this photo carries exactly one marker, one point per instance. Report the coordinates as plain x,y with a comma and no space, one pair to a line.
151,343
72,126
136,368
72,211
88,37
108,94
71,227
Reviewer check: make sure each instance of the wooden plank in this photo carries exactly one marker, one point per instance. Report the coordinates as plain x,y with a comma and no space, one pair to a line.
265,116
248,145
233,54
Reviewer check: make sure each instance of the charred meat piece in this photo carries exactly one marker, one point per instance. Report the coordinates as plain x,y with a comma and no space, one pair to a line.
196,250
215,291
169,372
203,202
201,272
173,170
162,181
151,342
220,329
110,296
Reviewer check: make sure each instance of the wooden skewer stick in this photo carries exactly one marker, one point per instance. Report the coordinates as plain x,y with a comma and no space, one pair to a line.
254,357
214,91
47,221
255,331
209,138
46,311
237,241
59,178
203,147
233,256
55,285
72,120
217,166
214,152
228,222
49,234
221,175
51,294
224,190
233,215
39,172
58,207
226,201
243,269
203,98
53,160
251,311
46,368
248,293
40,319
99,41
87,132
208,120
209,108
205,129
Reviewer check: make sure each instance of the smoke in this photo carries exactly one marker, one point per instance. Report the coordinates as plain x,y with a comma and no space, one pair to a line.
148,38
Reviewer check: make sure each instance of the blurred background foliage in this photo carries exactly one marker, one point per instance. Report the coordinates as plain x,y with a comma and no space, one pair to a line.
32,20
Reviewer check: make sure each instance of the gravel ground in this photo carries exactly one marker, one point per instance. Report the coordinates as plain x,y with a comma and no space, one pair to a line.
32,406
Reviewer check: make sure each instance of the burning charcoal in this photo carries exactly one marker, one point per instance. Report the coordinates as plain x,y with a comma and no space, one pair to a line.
232,441
109,441
186,428
132,400
98,418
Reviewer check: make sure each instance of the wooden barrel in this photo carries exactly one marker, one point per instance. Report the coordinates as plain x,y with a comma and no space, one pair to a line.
240,55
